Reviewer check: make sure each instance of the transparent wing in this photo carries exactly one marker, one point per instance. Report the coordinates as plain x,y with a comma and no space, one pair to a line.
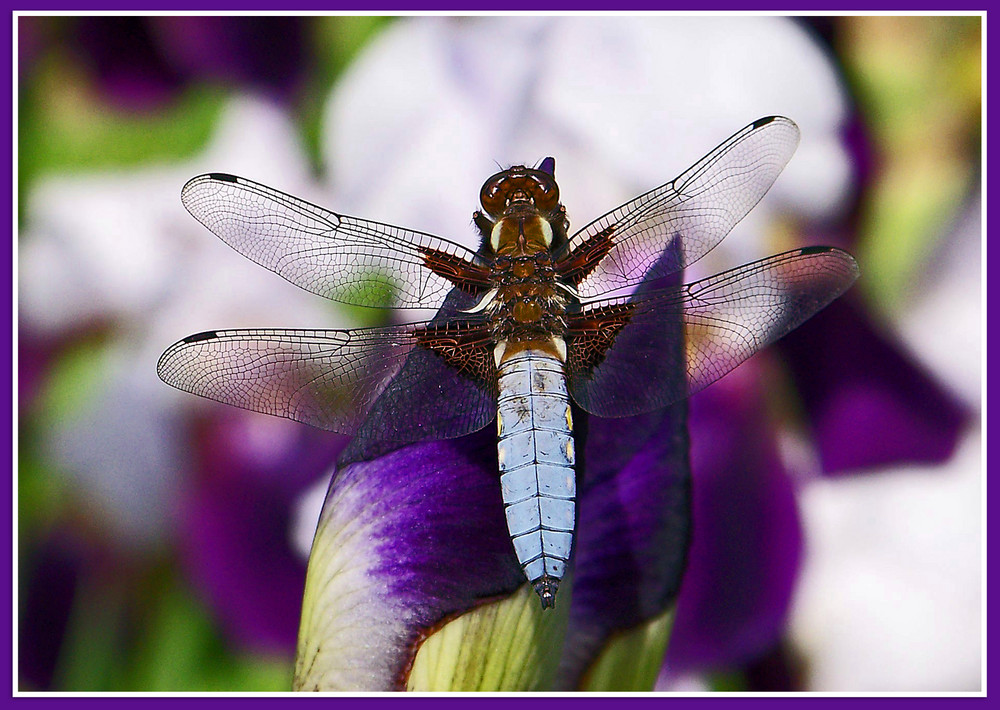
670,343
334,378
701,206
344,258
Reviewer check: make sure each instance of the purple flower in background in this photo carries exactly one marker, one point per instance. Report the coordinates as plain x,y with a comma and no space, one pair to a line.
141,62
747,541
236,522
867,403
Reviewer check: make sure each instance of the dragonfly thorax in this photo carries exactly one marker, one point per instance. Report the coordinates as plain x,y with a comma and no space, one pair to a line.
523,233
526,302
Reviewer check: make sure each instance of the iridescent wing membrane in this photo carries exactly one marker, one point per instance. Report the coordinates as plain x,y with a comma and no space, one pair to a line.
333,378
698,208
723,320
343,258
437,379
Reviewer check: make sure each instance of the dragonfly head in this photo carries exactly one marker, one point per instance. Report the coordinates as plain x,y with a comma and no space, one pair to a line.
518,187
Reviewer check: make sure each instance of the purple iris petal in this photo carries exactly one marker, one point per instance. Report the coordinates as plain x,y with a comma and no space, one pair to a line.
747,541
236,527
405,541
868,404
46,602
442,540
268,53
141,61
434,532
122,53
633,531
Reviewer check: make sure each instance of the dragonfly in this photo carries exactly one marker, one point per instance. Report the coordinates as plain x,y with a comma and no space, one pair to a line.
532,322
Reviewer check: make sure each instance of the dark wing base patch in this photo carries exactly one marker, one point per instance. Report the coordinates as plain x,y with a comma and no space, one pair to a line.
590,334
466,347
457,270
578,264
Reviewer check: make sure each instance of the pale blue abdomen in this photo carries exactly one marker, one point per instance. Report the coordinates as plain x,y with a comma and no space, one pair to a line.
537,476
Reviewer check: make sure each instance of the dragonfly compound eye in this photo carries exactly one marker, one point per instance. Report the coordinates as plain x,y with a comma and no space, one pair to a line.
519,185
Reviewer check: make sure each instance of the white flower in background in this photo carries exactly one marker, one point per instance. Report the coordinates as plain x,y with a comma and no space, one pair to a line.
623,103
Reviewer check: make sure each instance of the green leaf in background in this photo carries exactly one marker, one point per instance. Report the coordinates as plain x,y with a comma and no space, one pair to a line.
181,649
72,380
918,85
41,496
90,656
44,495
632,660
63,125
161,640
732,682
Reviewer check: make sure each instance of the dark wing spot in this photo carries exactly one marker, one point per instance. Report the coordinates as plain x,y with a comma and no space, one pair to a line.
814,250
198,337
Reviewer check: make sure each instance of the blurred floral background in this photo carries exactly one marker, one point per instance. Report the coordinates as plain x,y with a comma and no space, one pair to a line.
162,539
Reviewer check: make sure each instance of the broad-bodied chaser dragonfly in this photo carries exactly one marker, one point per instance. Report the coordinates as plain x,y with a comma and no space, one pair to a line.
533,320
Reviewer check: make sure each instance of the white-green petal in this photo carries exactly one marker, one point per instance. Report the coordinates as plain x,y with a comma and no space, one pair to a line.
511,644
346,625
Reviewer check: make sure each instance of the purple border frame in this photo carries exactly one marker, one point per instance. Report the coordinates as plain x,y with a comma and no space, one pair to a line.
363,6
483,5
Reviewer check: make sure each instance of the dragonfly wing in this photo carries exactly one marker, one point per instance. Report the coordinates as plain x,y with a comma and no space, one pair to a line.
697,210
334,378
343,258
632,355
